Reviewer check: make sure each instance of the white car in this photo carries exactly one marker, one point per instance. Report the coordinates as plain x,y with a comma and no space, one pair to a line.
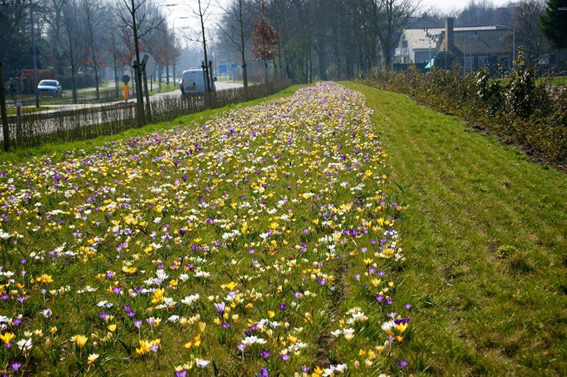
50,88
193,81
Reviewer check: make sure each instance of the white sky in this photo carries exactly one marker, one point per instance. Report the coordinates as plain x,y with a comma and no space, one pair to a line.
452,5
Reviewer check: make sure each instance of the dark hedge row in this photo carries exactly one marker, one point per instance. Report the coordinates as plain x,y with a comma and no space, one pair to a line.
512,105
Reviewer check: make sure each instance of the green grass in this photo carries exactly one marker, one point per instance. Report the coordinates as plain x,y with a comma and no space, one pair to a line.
12,110
484,235
556,80
164,89
201,117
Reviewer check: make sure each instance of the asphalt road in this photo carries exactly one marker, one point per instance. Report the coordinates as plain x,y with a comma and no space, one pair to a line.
54,108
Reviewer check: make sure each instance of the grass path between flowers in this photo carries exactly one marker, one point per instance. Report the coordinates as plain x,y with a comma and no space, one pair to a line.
199,118
485,237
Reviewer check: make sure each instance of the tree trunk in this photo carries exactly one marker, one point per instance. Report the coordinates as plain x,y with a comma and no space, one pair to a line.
139,92
5,129
73,82
96,81
242,46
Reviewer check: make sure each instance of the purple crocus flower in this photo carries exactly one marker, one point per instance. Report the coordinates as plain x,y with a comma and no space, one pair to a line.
402,363
181,373
265,354
220,307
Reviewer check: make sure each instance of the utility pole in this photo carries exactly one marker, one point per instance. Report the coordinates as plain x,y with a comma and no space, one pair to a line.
34,56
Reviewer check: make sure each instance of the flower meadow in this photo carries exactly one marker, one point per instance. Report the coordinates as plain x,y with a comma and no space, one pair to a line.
260,243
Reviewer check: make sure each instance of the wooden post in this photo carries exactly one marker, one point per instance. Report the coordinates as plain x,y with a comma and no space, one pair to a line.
5,126
149,108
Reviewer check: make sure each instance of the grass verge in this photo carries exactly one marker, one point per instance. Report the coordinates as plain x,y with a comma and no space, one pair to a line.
485,241
12,110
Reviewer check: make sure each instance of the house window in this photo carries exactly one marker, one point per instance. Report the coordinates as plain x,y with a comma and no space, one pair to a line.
482,61
469,61
405,43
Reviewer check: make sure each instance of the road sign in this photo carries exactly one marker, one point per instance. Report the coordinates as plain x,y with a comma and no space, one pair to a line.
223,69
150,65
233,65
125,79
126,72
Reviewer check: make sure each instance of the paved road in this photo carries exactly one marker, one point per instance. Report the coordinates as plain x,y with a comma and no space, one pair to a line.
155,97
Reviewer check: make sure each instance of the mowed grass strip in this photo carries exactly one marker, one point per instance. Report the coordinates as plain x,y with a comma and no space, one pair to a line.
485,240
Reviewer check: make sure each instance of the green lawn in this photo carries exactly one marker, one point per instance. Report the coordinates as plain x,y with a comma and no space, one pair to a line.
485,239
557,80
30,109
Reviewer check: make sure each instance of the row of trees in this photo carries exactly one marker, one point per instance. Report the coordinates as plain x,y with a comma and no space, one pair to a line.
339,38
83,36
317,37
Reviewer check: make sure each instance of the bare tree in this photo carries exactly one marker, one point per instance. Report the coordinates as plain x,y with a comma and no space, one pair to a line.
202,13
396,15
95,21
236,29
141,21
72,41
53,18
13,35
529,34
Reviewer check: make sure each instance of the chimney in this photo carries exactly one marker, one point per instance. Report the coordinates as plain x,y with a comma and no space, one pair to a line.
448,43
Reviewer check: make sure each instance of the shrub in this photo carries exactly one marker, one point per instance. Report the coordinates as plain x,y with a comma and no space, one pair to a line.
510,104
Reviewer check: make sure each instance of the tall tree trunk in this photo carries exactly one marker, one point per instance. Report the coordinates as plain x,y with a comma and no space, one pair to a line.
206,62
242,45
140,121
4,113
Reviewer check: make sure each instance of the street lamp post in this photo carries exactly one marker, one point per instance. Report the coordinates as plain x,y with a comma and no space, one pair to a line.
173,27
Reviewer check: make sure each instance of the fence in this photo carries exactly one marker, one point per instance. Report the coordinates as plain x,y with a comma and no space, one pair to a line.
105,95
34,129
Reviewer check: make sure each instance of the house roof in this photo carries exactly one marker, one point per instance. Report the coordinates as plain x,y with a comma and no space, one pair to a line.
484,42
481,42
417,38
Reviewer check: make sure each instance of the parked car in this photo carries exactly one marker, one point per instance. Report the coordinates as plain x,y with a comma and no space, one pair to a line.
50,88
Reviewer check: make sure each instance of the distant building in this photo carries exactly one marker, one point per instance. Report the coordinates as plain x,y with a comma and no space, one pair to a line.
473,46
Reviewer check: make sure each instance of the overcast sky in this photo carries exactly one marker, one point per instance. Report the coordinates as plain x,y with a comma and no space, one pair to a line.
451,5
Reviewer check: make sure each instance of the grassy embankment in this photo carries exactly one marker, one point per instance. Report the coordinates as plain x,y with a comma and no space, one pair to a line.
485,241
